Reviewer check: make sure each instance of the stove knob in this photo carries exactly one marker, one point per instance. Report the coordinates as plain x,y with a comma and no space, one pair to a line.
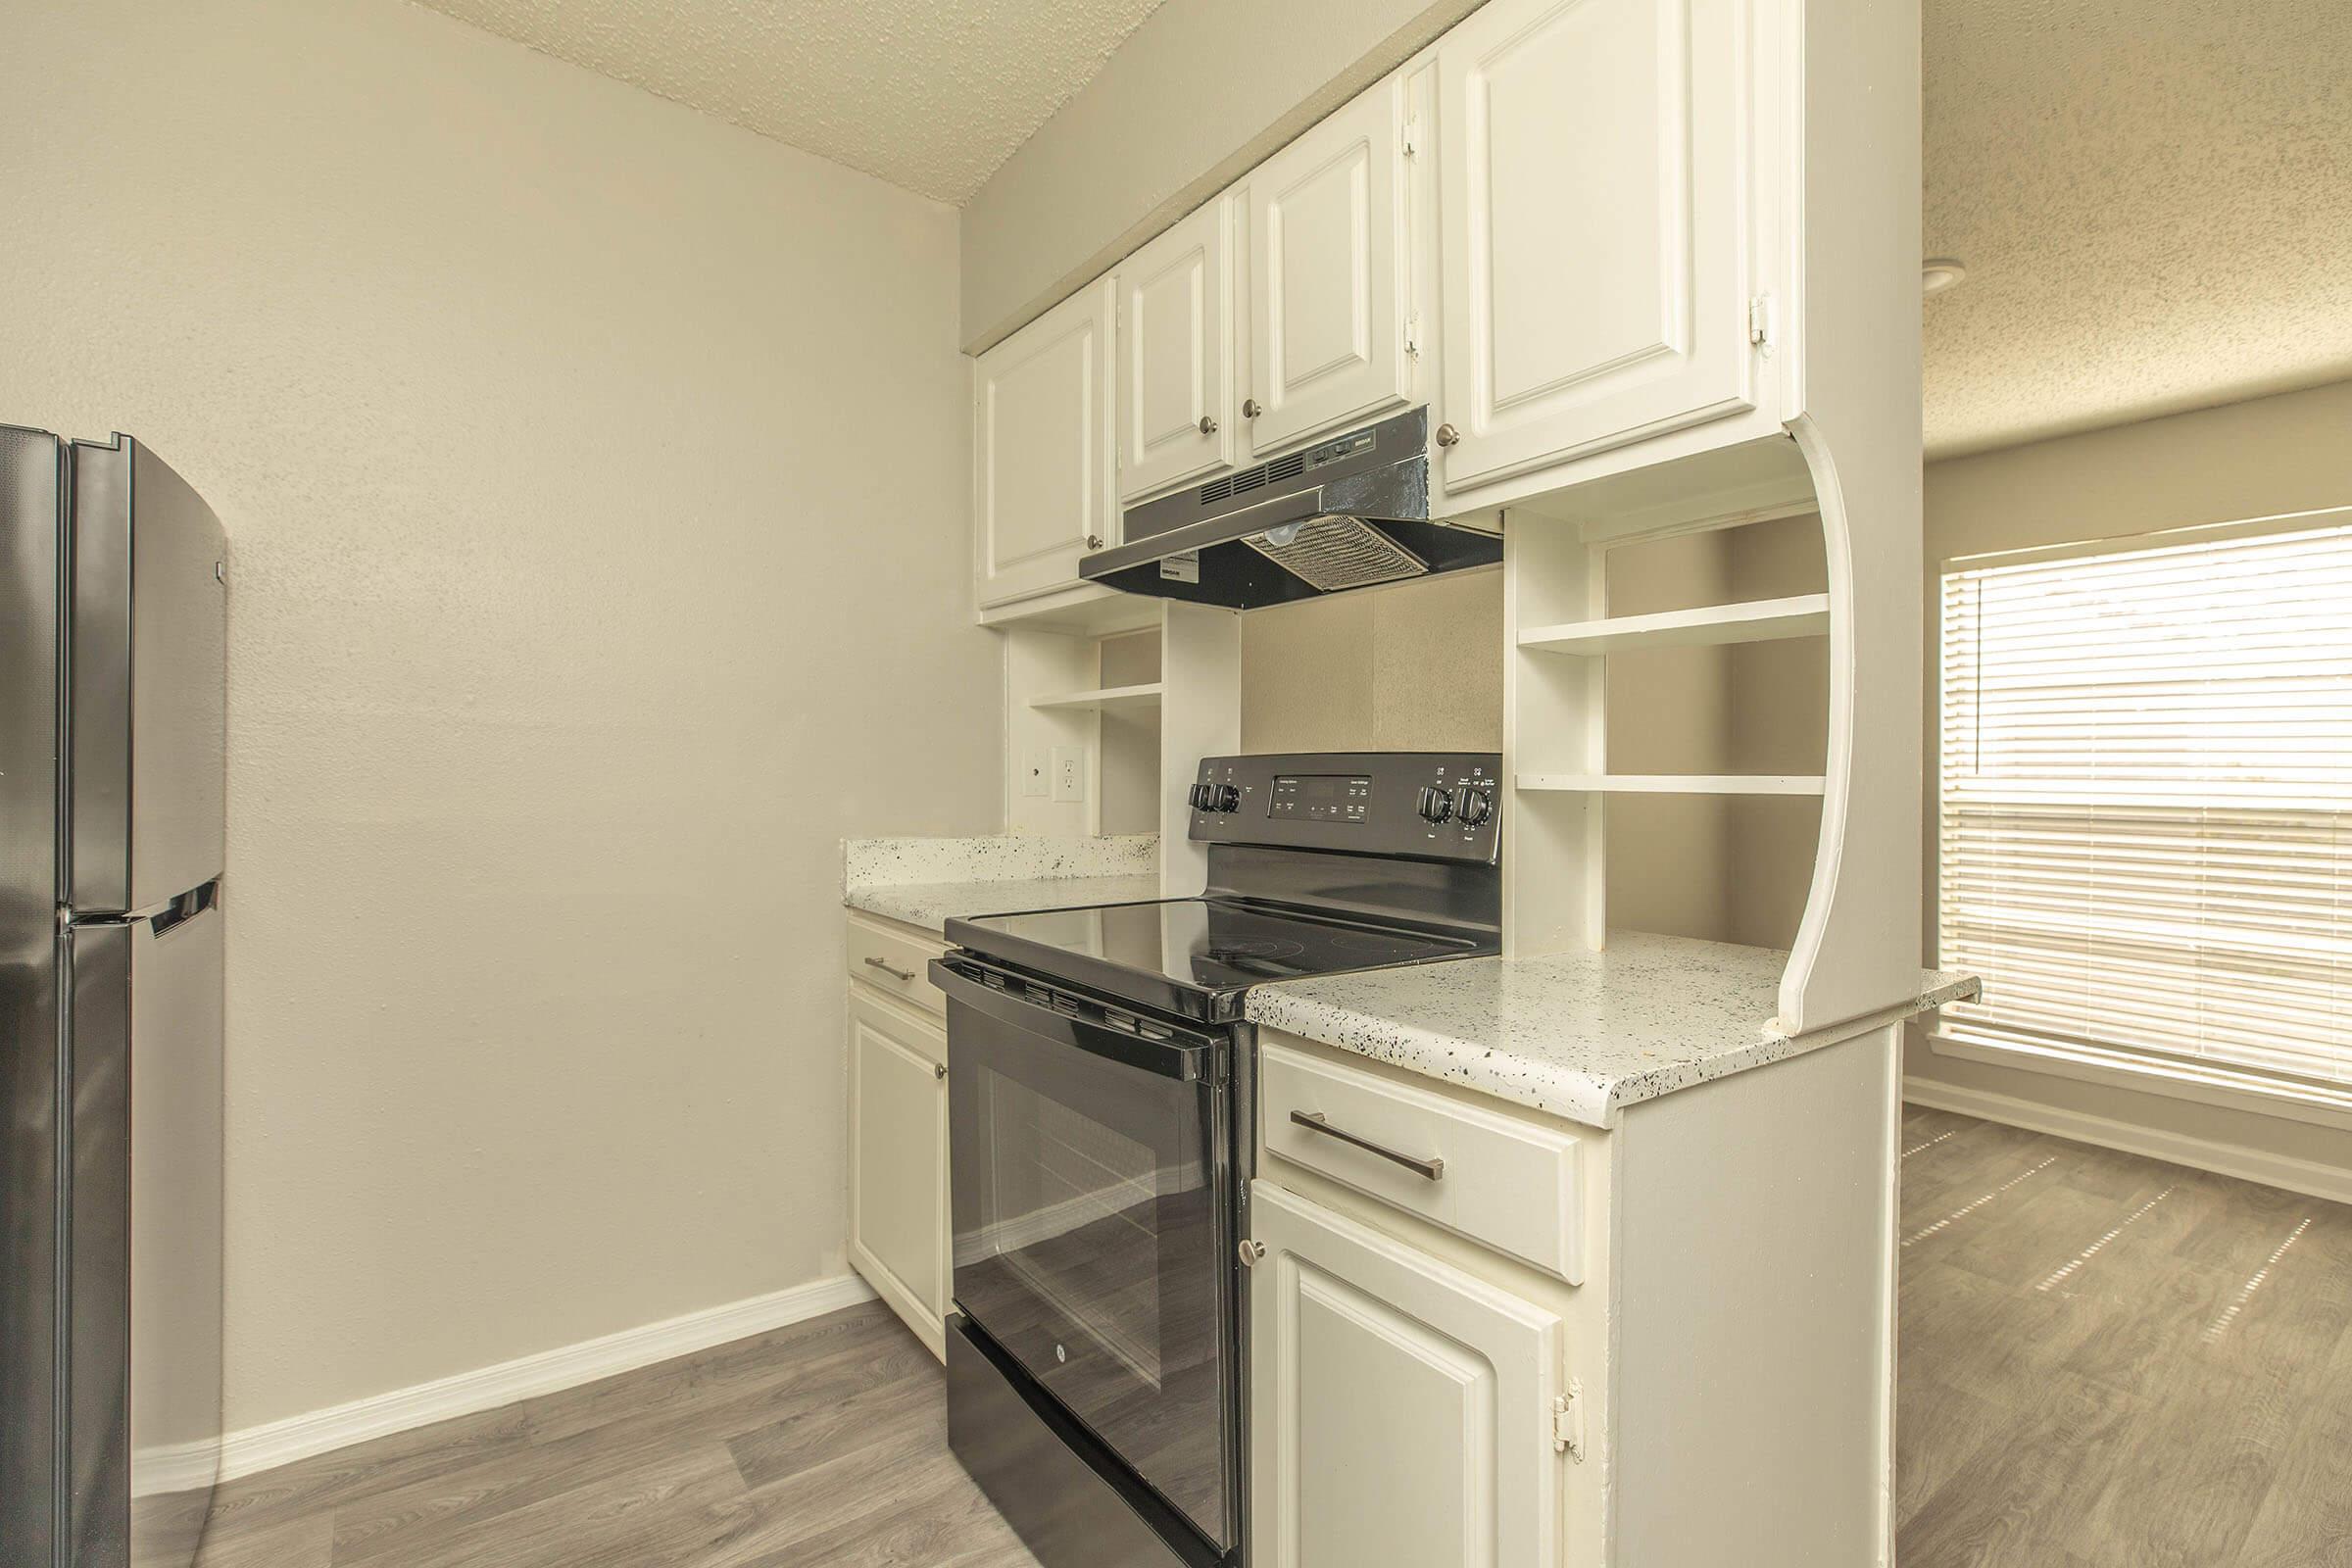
1472,805
1229,798
1204,797
1435,804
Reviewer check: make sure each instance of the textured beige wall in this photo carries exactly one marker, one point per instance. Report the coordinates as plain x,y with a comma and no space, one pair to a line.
1780,724
1669,712
2290,453
1131,737
1195,96
596,479
1413,666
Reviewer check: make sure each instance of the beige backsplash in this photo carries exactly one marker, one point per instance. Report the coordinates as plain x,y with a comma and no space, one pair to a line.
1416,666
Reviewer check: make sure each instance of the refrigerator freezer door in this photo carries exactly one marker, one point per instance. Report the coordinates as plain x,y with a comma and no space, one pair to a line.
97,969
28,1035
148,783
176,1103
144,1352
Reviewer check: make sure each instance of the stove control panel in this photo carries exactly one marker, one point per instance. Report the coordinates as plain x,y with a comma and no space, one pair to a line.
1415,805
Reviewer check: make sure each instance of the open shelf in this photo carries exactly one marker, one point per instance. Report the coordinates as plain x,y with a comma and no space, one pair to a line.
1672,783
1102,698
1710,625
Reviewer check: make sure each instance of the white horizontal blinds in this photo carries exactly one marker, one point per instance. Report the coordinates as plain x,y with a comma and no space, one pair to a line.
2146,825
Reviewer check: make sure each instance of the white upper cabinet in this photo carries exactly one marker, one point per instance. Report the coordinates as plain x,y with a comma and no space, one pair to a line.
1175,384
1041,450
1596,262
1328,275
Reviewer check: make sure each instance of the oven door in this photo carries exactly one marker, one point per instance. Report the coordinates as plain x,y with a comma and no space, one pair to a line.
1093,1201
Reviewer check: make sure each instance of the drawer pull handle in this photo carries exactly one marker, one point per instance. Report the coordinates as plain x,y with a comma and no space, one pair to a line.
884,965
1432,1167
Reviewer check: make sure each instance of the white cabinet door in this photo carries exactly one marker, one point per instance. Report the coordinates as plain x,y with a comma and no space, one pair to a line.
1596,261
1175,389
1041,449
1328,281
1399,1410
899,1162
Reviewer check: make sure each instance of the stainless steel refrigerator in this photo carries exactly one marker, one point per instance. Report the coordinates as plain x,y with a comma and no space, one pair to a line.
112,699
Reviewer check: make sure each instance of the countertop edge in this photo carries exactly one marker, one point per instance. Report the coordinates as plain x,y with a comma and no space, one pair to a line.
1592,1100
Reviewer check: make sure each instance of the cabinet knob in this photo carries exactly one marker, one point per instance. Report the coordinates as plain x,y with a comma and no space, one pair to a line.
1094,540
1208,426
939,1069
1251,410
1447,435
1252,1251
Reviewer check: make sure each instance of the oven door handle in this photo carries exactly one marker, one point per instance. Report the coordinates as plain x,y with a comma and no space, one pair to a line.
1184,1056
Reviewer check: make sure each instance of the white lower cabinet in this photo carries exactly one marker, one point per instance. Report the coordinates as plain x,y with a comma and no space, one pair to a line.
898,1160
1400,1411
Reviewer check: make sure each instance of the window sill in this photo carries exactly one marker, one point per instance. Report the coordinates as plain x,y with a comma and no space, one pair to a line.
2229,1087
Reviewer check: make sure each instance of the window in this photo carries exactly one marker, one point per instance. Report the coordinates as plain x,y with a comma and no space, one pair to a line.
2146,805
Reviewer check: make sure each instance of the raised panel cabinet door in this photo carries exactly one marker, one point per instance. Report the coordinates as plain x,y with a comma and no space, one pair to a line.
1328,290
1175,387
897,1163
1041,449
1595,266
1399,1410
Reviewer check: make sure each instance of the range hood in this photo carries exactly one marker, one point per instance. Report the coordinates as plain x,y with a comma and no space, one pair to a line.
1348,512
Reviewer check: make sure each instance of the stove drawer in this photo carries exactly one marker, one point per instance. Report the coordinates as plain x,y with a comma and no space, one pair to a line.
1501,1181
896,961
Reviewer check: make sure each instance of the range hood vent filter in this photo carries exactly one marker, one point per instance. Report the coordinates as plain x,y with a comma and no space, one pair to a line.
1334,553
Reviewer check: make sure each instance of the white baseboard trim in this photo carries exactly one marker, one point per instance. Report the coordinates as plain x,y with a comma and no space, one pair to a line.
278,1443
162,1471
2305,1176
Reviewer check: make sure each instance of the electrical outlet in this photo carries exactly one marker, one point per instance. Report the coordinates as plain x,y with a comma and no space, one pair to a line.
1069,773
1033,774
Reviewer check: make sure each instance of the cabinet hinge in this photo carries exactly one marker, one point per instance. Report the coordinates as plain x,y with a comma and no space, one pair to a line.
1412,333
1412,136
1759,321
1568,1421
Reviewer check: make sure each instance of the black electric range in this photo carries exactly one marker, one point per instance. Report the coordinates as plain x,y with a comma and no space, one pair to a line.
1195,957
1099,1078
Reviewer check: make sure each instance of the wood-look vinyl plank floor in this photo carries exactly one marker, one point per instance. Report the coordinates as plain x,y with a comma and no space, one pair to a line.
2116,1362
2106,1363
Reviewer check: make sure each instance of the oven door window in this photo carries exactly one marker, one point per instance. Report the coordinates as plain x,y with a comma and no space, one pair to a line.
1090,1244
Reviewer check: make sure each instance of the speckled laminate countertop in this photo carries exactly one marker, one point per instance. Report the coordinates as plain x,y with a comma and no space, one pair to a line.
1581,1035
923,881
930,904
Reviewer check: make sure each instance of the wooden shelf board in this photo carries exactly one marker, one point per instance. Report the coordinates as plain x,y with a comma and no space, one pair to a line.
1672,783
1107,697
1757,621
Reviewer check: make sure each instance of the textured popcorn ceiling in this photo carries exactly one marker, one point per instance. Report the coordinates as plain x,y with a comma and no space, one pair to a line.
2153,197
929,94
2154,201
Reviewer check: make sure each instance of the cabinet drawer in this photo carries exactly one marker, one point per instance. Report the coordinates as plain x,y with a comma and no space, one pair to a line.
1506,1183
895,962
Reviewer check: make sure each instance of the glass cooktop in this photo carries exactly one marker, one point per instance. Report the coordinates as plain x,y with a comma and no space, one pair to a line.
1209,944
